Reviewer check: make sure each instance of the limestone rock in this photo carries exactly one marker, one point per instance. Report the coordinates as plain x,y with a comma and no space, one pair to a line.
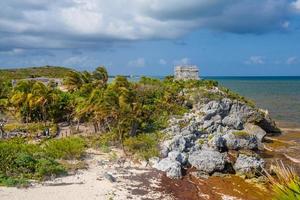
207,161
248,165
171,167
236,142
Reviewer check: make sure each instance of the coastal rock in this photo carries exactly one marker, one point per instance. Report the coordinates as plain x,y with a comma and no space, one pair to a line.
248,165
218,143
171,167
207,161
268,125
233,121
178,156
240,140
258,132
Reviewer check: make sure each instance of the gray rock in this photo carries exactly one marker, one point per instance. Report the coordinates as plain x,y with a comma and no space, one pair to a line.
248,165
178,156
207,161
218,143
109,177
171,167
255,130
233,121
234,142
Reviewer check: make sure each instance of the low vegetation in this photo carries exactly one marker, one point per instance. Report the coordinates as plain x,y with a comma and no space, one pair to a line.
285,184
21,161
241,134
30,72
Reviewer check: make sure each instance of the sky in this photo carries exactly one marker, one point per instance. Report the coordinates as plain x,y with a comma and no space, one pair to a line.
150,37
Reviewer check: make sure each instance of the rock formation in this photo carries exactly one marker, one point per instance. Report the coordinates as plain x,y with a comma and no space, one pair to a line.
211,130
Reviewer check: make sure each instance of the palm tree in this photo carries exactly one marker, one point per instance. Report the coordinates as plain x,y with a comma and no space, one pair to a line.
74,80
101,76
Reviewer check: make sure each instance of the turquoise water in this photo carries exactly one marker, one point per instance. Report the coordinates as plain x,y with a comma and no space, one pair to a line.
279,95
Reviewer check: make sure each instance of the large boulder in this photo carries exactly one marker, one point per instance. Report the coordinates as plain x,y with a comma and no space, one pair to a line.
248,165
255,130
233,121
268,125
171,167
207,161
240,140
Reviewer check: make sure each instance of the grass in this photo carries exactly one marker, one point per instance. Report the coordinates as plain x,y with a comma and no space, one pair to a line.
285,184
241,134
143,146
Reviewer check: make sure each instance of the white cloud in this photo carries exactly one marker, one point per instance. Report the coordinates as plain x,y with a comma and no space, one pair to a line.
292,60
162,61
89,23
139,62
182,61
296,5
256,60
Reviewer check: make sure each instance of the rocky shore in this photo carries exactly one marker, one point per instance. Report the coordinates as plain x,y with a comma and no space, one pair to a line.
217,136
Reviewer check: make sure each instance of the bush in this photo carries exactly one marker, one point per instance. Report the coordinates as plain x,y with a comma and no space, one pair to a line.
65,148
20,161
10,181
48,167
144,146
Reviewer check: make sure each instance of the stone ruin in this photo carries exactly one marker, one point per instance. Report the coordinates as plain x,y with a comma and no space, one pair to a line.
186,72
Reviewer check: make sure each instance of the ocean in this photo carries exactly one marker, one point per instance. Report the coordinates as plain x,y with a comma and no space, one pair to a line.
279,95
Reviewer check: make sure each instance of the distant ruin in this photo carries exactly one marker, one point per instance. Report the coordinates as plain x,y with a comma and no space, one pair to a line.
56,81
186,72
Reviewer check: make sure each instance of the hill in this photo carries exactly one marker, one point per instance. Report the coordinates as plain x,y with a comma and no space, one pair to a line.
45,71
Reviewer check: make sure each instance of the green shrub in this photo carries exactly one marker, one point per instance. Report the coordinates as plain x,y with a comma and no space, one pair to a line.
65,148
144,146
10,181
48,167
20,161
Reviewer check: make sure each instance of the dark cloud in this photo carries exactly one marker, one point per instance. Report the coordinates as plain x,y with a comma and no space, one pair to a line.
71,24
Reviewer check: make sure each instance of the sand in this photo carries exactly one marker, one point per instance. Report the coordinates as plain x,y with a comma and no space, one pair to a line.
133,181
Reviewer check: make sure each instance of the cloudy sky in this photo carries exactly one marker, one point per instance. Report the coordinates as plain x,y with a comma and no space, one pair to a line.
222,37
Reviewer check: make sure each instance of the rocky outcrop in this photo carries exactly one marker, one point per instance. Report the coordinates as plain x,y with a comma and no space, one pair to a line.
202,138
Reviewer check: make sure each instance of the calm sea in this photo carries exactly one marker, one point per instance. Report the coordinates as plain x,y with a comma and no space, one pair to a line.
279,95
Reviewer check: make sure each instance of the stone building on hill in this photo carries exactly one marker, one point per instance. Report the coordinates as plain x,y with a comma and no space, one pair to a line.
186,72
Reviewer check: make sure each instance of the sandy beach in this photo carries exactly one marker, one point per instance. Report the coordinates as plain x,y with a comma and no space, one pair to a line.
132,181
